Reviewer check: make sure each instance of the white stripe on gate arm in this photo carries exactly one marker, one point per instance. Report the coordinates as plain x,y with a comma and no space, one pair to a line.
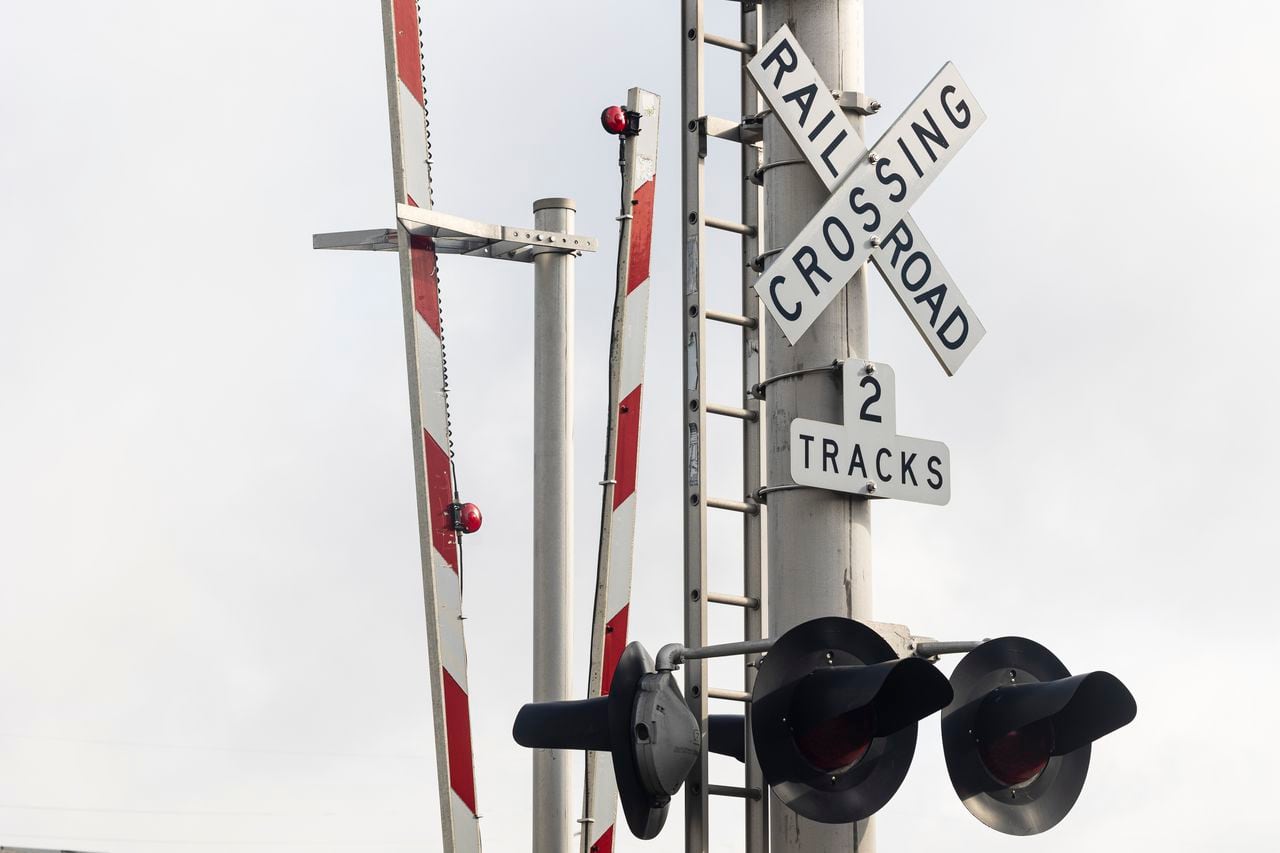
929,133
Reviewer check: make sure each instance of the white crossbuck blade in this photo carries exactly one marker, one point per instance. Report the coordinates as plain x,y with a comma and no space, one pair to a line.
866,216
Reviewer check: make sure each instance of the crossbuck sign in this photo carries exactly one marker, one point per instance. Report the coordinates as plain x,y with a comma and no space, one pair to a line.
866,216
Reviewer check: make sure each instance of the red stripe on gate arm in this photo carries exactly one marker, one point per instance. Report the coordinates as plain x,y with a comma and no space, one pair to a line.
457,723
615,640
439,496
605,844
624,465
641,235
408,47
426,285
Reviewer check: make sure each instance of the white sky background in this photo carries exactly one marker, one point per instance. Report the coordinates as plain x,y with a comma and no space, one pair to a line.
210,618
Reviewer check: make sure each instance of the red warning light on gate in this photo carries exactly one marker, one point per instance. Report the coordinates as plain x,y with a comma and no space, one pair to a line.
467,517
614,120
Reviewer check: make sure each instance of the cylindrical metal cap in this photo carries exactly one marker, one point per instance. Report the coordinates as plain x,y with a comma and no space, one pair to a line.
559,203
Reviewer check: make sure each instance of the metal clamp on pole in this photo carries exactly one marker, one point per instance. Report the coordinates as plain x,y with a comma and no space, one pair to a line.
758,390
856,102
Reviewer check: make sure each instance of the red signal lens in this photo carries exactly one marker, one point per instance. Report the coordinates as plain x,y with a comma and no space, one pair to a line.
614,120
838,743
1019,756
470,518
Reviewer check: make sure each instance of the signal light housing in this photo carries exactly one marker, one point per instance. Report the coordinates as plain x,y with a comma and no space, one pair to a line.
1017,735
834,718
466,518
620,121
644,723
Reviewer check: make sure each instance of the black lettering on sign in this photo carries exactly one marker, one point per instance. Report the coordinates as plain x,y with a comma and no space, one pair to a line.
793,314
804,97
933,298
807,269
924,136
956,314
864,413
882,166
834,223
807,439
935,468
785,66
820,126
880,454
923,265
902,143
829,451
959,114
906,469
830,149
902,240
857,462
865,207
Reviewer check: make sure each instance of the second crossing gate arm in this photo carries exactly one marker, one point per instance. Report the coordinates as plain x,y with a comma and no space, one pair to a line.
618,510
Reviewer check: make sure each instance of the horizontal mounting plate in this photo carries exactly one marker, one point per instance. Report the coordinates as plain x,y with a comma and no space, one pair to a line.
454,235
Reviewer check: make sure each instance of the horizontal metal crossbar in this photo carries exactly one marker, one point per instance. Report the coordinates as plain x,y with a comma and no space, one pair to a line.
750,508
731,695
726,225
454,235
730,44
733,600
734,791
732,412
733,319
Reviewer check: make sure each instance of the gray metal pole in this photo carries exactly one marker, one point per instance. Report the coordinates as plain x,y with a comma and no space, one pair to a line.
552,514
819,542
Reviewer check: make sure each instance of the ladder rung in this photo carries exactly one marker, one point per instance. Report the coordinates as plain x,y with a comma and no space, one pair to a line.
735,506
733,319
730,44
735,600
732,695
726,225
732,412
733,791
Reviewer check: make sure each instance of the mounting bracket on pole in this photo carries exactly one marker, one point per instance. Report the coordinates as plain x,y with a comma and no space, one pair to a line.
857,102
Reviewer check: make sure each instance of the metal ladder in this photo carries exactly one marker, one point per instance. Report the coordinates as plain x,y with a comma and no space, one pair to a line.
697,129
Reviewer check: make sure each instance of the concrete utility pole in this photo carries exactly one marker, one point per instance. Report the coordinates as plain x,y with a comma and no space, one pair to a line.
819,542
552,514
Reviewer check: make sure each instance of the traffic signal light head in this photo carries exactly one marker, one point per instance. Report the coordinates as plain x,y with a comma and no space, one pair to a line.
644,723
1017,734
834,716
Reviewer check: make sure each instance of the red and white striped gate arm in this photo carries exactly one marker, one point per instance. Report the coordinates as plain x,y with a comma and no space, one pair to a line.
618,516
433,466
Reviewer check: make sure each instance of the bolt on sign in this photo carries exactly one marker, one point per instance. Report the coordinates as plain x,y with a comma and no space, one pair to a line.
866,217
865,455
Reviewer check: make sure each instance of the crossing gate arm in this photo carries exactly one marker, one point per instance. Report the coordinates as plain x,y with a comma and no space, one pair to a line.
618,511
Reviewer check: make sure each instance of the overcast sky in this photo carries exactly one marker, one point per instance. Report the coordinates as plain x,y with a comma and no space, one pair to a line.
211,628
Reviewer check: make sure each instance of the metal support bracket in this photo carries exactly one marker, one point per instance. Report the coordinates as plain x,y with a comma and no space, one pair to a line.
856,102
454,235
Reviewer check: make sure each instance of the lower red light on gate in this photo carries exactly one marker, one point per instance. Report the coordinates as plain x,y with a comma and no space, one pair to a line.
1019,756
466,517
838,743
614,120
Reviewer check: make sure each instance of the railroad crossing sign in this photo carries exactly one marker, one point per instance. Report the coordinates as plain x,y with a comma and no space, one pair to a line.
865,455
871,192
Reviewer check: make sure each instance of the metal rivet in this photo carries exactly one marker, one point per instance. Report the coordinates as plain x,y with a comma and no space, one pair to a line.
873,157
871,487
875,242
